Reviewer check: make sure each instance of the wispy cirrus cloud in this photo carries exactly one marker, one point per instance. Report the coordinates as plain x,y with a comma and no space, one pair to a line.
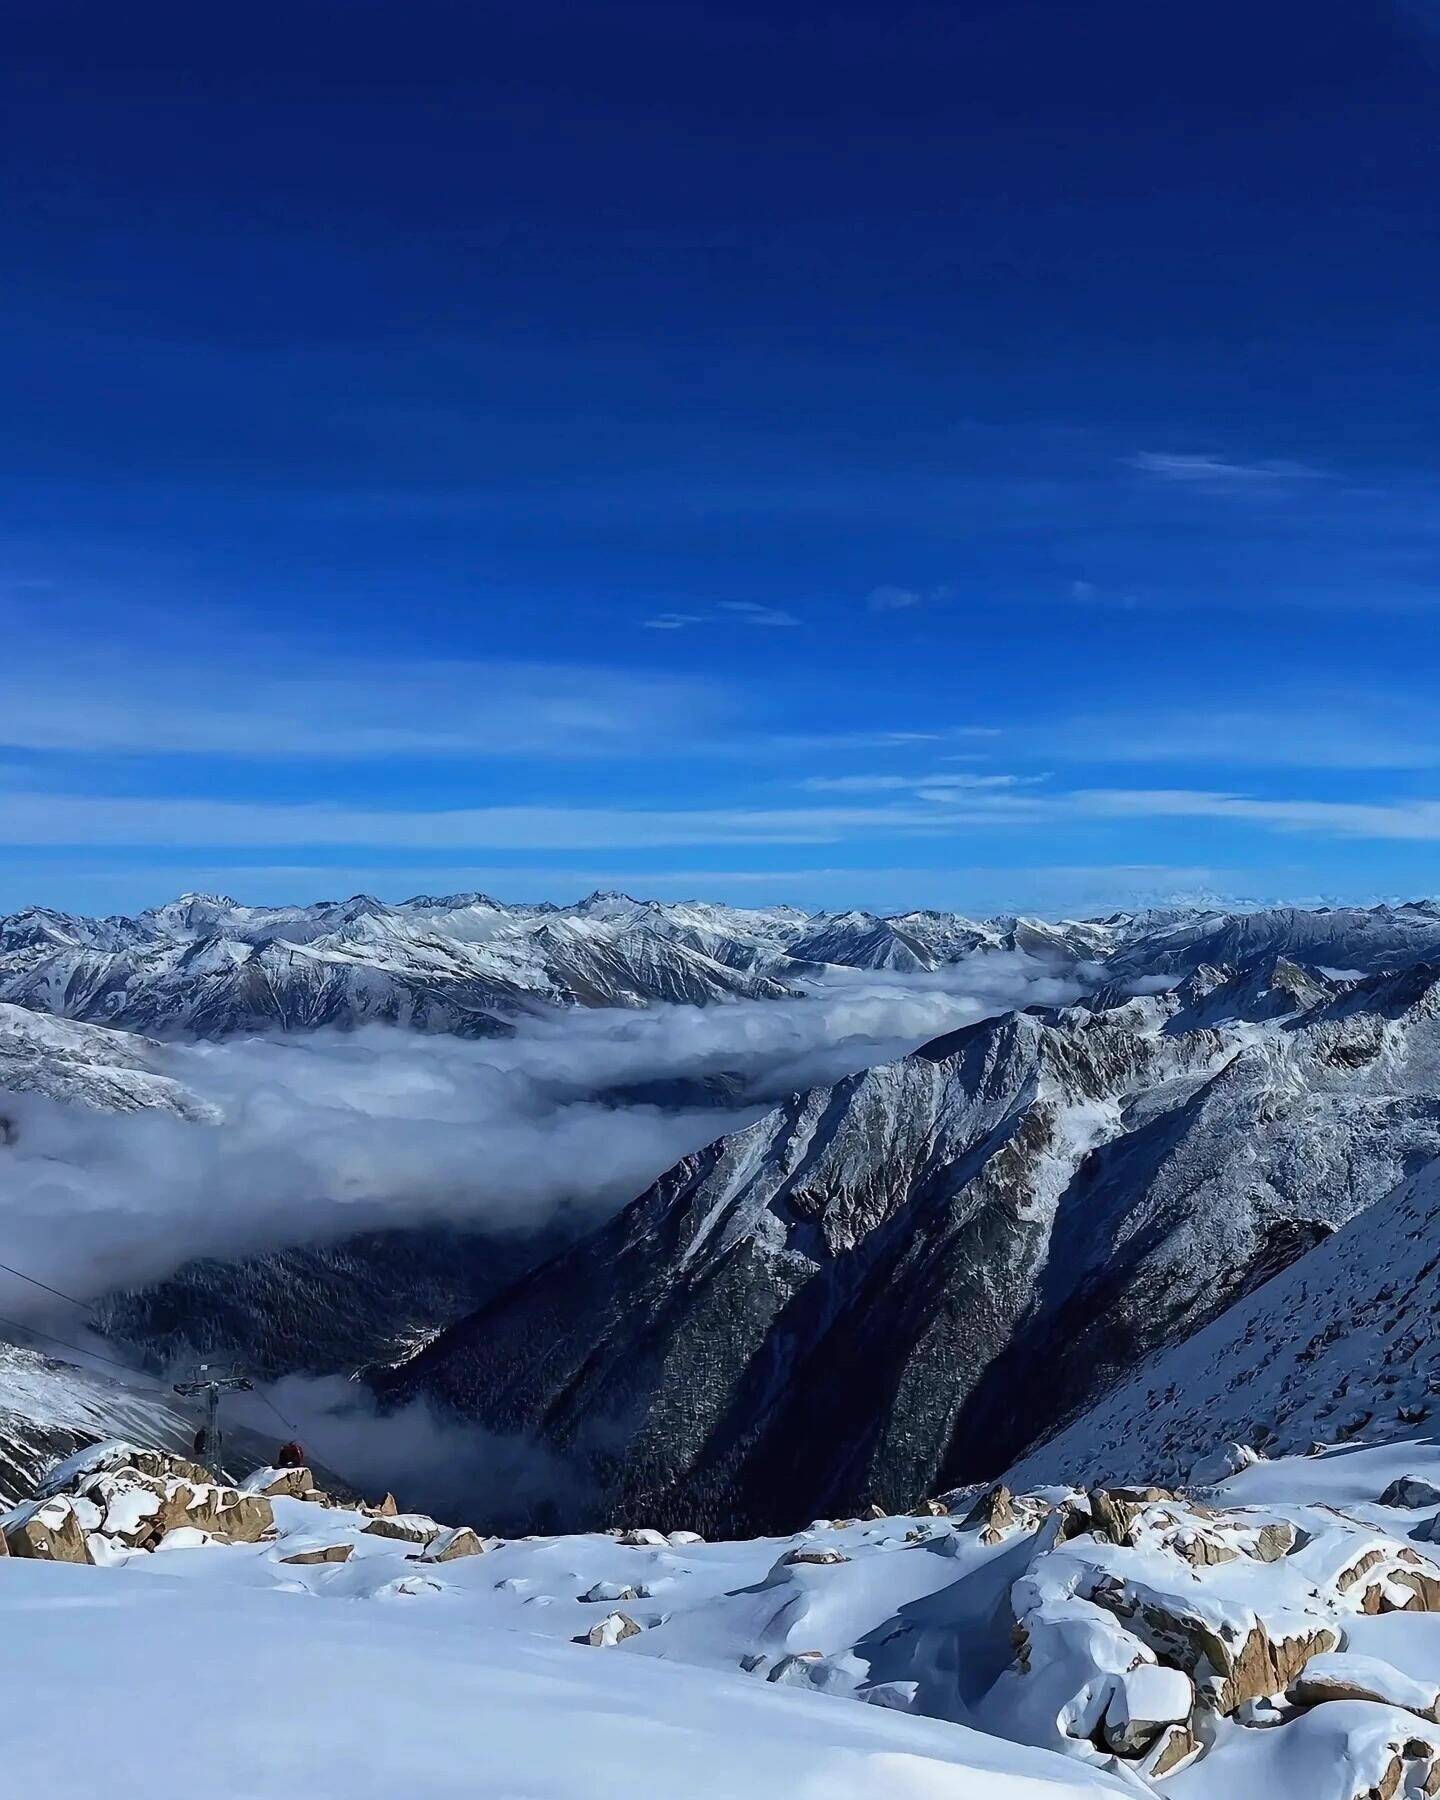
740,612
347,708
892,598
32,819
1316,729
931,783
1219,472
1413,820
930,808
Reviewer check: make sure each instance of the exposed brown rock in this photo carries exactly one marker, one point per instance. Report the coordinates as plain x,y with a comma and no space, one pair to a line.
995,1512
1275,1540
47,1531
459,1541
1201,1550
405,1528
224,1512
613,1630
1226,1674
295,1484
1177,1744
327,1553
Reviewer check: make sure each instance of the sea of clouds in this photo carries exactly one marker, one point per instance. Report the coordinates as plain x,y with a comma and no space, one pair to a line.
327,1134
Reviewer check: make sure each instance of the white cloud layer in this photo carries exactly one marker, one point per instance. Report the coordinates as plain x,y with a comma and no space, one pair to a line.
35,818
326,1135
347,709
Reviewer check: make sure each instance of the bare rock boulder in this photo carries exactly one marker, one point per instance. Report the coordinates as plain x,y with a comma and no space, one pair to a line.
323,1553
1411,1491
405,1528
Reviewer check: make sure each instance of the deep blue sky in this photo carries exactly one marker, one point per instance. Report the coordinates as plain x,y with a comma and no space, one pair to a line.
959,454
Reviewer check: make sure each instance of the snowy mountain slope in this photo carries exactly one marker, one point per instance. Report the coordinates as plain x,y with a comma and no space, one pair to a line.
909,1275
316,1309
112,1070
1273,1641
1345,937
1345,1341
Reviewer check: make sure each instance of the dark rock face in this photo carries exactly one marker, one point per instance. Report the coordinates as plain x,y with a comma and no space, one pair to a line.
904,1279
318,1309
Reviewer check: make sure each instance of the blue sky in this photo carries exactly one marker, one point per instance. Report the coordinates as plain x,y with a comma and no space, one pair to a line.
974,455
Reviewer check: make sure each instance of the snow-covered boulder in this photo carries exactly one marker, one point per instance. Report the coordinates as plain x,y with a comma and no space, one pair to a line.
454,1542
291,1483
48,1530
1351,1676
608,1591
1143,1701
612,1630
823,1556
1351,1750
406,1528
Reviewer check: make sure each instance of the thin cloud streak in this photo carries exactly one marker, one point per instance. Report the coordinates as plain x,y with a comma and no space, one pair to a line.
353,710
1219,471
1325,730
29,818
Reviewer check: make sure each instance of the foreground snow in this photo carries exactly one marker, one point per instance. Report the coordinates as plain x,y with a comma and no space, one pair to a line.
250,1691
1276,1635
257,1693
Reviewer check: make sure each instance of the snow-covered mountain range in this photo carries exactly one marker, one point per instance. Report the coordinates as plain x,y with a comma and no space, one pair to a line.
211,967
902,1278
207,965
1182,1233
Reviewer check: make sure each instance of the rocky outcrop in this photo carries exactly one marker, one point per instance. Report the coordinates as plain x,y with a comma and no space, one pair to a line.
49,1530
1154,1627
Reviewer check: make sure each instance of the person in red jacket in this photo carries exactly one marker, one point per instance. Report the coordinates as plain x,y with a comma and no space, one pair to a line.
290,1456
